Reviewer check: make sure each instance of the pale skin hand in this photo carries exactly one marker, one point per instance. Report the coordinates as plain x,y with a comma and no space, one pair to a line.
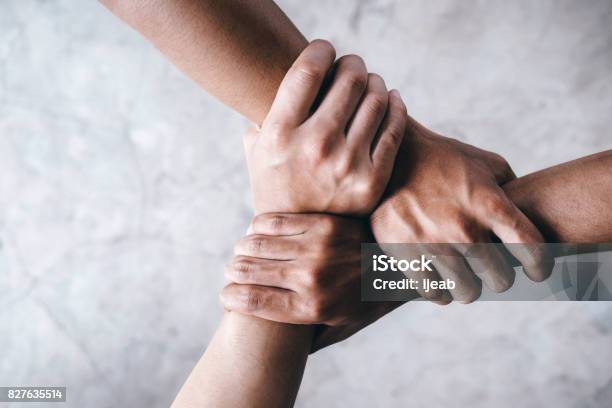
306,267
249,362
303,269
239,51
336,158
213,382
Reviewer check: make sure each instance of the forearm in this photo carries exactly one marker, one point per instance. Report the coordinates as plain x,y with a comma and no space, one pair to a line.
570,202
238,51
249,362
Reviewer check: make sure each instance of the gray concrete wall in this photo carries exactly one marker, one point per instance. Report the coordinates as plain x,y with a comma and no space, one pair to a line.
123,188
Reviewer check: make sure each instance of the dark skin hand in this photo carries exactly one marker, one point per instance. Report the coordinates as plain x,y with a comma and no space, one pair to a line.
320,284
239,51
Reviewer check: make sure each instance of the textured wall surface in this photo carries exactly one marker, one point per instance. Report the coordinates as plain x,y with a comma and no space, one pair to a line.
123,188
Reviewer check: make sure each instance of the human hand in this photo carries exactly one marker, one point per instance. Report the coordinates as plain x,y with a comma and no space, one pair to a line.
303,269
333,156
445,191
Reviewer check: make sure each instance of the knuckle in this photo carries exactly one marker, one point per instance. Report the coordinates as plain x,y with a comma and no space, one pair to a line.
501,163
255,244
272,222
242,266
352,71
538,255
499,159
317,311
319,42
355,80
493,203
395,133
253,300
308,74
276,135
376,104
502,284
541,262
374,77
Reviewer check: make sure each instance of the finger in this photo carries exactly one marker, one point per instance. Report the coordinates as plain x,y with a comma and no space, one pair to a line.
390,135
265,272
501,170
490,265
503,173
264,302
299,88
282,248
453,267
281,223
339,104
414,251
370,113
521,238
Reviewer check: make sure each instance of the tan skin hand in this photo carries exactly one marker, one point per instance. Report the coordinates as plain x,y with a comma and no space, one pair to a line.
302,269
220,45
335,159
449,192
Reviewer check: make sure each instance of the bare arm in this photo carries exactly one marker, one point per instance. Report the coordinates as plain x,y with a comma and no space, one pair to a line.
239,51
253,362
250,362
570,202
236,50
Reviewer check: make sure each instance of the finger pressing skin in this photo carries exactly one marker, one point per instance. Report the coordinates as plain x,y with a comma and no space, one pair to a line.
267,303
301,84
522,238
453,267
390,135
339,104
370,113
282,248
265,272
438,296
490,265
281,223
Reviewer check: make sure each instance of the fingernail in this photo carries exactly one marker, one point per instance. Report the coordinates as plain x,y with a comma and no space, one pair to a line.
395,93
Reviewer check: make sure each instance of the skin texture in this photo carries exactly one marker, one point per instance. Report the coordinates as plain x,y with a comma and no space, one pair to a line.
417,208
306,268
283,151
239,51
312,160
271,359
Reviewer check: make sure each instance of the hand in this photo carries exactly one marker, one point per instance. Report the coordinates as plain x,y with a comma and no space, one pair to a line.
336,158
303,269
445,191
